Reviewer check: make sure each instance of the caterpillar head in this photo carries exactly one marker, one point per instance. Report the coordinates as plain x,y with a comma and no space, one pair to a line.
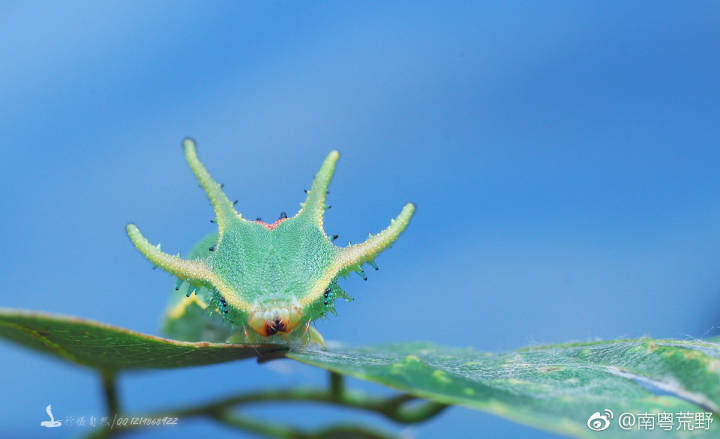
275,278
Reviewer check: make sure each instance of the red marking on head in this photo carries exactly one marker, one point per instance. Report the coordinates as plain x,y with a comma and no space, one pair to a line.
272,226
274,321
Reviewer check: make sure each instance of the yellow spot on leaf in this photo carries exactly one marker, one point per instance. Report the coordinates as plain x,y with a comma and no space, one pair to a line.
404,364
441,376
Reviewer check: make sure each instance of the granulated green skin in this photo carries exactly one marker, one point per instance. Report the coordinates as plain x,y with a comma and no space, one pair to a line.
270,279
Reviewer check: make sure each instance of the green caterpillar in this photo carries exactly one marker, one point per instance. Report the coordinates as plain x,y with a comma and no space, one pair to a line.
274,279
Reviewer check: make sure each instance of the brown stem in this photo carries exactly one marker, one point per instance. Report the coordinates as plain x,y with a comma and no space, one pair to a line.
110,391
395,408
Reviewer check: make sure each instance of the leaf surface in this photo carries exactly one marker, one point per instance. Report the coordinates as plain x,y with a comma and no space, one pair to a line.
111,348
556,387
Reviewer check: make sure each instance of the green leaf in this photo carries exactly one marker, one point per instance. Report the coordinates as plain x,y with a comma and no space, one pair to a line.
110,348
557,387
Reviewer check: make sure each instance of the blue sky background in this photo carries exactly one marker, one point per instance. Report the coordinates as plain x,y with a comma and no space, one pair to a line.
563,157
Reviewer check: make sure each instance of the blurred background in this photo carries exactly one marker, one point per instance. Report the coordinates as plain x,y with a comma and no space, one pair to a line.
563,157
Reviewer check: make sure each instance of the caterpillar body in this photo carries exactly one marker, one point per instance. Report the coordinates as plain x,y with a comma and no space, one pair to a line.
255,282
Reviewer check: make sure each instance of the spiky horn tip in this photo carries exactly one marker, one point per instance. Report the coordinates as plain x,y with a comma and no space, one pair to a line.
314,205
179,267
365,252
224,210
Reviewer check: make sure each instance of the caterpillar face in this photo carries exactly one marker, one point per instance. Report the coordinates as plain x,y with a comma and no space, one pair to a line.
278,319
274,278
